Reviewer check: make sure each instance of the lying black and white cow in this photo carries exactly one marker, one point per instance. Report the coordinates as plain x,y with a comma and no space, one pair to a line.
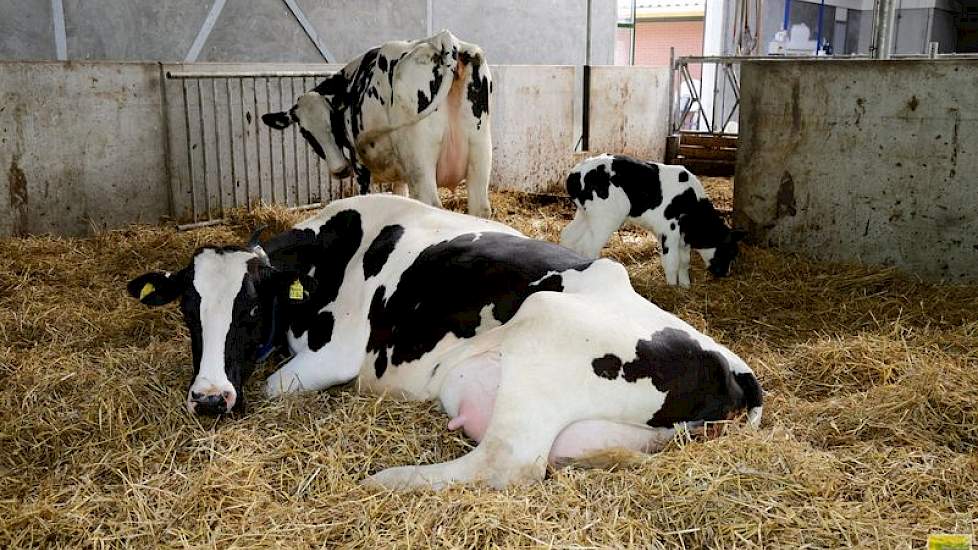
414,112
536,352
665,199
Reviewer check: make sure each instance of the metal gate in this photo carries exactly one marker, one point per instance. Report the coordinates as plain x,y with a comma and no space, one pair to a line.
222,157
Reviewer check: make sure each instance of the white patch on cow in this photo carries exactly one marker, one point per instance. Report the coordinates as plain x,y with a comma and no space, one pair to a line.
486,319
217,278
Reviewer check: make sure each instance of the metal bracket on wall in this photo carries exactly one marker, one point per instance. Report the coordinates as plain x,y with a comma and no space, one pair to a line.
60,37
205,31
310,30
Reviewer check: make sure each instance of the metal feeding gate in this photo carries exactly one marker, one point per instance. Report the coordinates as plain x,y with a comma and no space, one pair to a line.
223,157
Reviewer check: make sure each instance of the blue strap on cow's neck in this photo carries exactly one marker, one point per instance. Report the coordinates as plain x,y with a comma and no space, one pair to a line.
269,346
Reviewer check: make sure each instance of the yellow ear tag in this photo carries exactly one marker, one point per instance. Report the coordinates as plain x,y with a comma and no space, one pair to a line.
296,292
148,289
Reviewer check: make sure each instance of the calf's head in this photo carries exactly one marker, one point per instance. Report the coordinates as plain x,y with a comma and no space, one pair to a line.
725,253
316,118
231,299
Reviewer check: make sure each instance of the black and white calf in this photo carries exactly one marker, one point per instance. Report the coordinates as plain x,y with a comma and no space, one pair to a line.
665,199
535,352
414,112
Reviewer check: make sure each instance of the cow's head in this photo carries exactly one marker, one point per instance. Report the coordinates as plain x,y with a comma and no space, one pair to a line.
316,117
725,254
232,301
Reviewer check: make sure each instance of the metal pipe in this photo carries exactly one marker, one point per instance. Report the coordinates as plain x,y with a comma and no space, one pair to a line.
634,32
217,149
235,74
787,15
234,178
818,35
244,144
190,153
672,91
203,149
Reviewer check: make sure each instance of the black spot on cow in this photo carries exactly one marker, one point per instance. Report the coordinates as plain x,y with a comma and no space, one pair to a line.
433,85
607,366
448,285
595,182
478,91
372,92
328,251
702,228
662,243
382,63
313,142
698,384
380,249
363,177
574,185
684,176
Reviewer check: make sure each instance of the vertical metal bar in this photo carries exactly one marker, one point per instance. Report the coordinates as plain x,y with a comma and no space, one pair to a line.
217,148
634,32
244,144
234,178
165,121
60,36
305,150
254,95
285,183
672,80
190,153
271,155
295,149
716,92
203,148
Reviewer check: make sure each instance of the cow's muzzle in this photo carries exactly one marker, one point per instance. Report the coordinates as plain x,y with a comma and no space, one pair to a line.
211,404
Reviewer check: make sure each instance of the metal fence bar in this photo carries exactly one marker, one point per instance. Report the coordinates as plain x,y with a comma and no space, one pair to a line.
215,153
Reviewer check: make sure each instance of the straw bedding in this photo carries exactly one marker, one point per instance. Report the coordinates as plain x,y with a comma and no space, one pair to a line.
869,438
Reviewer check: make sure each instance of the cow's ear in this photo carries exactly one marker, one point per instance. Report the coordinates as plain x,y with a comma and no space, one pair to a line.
279,121
294,288
157,287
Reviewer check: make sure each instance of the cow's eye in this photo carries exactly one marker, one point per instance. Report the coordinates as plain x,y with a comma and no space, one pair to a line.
254,311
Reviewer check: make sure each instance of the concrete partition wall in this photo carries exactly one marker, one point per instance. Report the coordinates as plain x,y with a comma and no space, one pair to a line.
532,126
81,145
630,111
863,161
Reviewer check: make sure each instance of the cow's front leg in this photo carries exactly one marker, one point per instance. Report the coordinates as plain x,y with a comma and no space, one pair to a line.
363,178
670,258
684,252
309,371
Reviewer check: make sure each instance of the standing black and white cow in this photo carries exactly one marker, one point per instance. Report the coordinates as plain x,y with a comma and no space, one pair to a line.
535,352
665,199
414,112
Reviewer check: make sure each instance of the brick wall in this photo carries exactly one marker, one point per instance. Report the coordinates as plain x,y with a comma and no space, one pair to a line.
656,37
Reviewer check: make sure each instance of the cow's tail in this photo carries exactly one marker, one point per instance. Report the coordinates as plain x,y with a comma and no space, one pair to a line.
443,47
753,397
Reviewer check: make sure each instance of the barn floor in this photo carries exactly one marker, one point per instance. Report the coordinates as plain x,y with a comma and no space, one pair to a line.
870,435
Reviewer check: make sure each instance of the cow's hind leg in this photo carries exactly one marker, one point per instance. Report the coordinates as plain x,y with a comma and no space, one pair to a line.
479,164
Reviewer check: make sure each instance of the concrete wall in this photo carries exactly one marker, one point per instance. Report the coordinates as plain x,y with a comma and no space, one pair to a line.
511,31
630,111
84,144
81,145
862,161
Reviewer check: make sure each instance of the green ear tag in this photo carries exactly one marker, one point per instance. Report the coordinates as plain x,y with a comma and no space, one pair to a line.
296,292
148,289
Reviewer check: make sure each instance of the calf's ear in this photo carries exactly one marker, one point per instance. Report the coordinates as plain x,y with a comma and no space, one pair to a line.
279,121
156,287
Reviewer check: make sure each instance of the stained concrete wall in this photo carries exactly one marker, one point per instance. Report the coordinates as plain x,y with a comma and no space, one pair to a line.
630,111
862,161
511,31
81,145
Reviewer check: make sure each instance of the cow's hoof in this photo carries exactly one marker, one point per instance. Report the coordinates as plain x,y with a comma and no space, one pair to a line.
401,478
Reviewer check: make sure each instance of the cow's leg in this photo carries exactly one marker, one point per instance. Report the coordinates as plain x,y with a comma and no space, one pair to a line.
515,449
309,372
684,253
670,259
571,234
401,188
477,174
598,224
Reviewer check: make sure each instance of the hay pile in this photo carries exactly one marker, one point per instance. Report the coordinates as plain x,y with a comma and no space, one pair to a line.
869,439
